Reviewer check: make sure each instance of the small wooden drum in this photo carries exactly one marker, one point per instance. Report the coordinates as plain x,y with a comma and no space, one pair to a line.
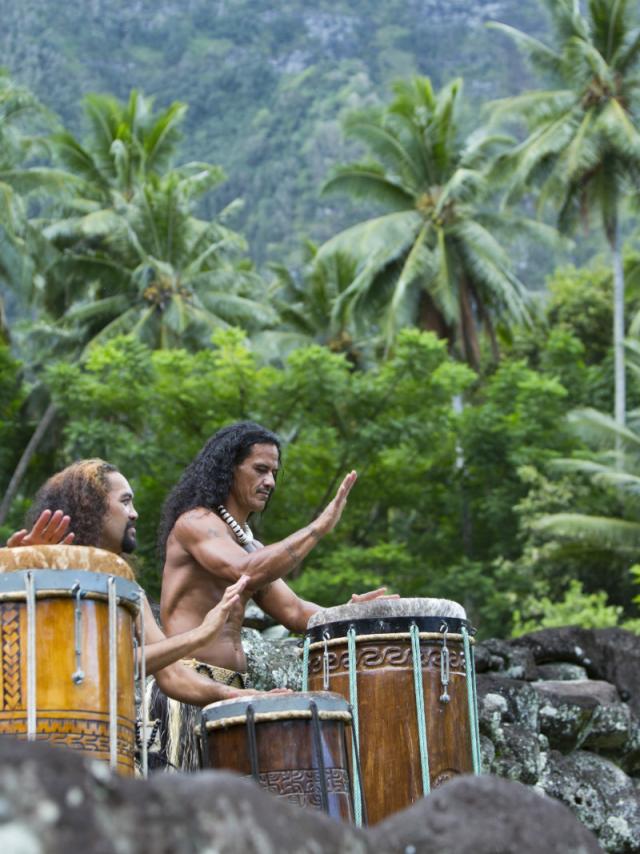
406,667
67,650
293,745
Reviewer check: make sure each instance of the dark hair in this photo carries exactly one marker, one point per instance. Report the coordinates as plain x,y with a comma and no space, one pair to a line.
206,482
81,491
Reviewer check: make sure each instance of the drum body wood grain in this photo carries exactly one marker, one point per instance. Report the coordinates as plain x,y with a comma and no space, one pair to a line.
71,656
386,708
286,759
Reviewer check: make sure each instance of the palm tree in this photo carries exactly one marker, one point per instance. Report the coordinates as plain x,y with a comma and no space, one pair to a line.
583,147
304,302
613,463
23,120
150,268
432,258
126,143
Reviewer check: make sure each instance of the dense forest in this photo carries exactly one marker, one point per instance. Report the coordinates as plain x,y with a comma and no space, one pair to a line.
404,236
266,84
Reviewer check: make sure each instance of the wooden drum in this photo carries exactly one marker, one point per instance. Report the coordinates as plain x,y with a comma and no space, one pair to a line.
293,745
416,723
67,618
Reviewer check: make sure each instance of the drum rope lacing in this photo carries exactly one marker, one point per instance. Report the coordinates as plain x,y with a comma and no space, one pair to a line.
113,674
31,655
144,712
355,735
317,746
472,700
77,677
420,712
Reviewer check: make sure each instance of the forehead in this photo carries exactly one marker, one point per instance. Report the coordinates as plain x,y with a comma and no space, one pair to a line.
118,484
265,454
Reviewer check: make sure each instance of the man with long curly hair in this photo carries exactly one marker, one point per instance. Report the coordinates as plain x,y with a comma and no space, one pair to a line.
207,544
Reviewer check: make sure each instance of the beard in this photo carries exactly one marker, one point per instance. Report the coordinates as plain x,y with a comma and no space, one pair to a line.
129,542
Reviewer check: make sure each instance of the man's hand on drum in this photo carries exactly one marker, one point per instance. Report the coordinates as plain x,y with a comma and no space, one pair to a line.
379,593
48,529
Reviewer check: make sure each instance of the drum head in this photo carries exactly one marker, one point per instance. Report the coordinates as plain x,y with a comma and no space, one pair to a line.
326,702
79,558
384,616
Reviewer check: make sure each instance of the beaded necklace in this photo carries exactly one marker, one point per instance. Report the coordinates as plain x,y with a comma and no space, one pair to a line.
243,533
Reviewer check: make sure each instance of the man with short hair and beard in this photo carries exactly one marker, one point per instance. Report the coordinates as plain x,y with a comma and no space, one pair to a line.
207,544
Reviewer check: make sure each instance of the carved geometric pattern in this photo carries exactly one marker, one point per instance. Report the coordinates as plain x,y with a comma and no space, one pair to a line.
372,657
11,687
444,776
302,786
87,735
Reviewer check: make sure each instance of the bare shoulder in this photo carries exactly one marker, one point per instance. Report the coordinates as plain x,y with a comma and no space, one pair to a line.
198,524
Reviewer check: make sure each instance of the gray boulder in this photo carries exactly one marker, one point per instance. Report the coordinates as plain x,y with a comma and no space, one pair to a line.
563,671
272,663
599,793
54,801
568,712
612,655
485,815
521,699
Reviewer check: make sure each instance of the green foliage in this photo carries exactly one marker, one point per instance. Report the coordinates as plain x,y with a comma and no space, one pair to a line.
150,412
347,569
577,608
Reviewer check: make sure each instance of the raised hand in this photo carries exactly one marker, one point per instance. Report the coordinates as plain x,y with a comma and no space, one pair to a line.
331,514
216,618
48,529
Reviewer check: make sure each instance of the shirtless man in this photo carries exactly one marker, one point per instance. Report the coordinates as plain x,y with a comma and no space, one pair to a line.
232,477
95,499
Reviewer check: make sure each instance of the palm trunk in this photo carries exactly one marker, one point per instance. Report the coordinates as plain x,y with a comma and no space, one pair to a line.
618,326
25,459
468,331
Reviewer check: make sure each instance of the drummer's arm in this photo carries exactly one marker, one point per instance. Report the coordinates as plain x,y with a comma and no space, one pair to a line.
280,602
205,538
182,683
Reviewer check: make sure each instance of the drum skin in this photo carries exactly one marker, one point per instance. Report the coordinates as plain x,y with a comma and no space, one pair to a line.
69,714
389,739
287,763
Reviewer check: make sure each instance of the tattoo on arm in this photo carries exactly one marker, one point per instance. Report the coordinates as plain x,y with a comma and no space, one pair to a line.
293,554
314,533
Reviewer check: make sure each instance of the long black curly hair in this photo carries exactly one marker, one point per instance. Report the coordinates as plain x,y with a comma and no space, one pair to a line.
81,491
206,482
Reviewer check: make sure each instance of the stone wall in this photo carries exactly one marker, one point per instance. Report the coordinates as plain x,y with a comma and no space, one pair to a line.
559,711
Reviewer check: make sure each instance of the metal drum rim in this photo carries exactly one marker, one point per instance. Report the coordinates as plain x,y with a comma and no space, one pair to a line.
299,701
55,583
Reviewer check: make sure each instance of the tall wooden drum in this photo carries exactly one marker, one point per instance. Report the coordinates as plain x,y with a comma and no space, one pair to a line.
406,666
67,617
293,745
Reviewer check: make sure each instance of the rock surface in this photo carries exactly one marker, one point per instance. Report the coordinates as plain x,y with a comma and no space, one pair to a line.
54,801
558,710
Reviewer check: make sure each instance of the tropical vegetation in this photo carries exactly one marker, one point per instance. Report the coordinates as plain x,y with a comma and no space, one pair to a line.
424,329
